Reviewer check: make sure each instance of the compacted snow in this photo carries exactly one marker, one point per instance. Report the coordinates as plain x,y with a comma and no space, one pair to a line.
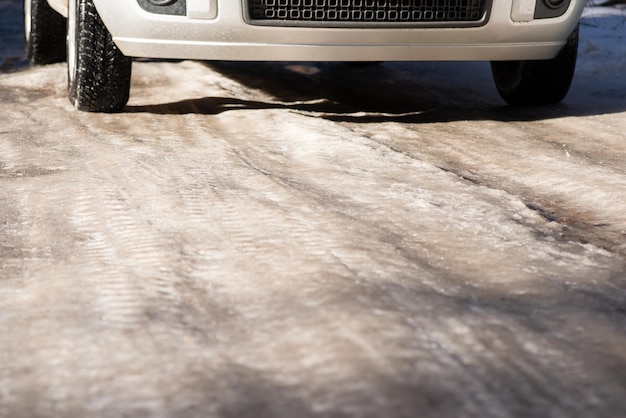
287,240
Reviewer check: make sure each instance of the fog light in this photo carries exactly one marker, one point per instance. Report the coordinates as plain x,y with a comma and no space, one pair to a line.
554,4
547,9
163,7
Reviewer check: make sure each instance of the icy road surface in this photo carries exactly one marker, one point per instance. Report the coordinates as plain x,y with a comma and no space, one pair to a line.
295,240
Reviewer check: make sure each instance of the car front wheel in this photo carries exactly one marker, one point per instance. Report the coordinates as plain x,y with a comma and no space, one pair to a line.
98,73
537,82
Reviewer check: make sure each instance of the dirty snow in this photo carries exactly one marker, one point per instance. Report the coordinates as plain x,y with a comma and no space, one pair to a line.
275,240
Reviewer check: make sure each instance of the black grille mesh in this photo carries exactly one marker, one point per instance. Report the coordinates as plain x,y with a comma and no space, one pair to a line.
367,11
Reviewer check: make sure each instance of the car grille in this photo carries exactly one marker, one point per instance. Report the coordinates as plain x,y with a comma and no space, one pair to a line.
376,12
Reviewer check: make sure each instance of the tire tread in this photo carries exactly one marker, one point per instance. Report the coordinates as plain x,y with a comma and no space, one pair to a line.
46,41
101,82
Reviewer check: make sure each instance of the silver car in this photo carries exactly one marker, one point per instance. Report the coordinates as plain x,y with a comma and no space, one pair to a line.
532,44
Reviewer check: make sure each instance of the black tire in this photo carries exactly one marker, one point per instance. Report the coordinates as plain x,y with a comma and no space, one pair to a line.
537,82
98,73
44,33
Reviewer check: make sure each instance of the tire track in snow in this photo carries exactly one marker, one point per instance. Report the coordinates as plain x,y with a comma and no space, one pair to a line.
589,203
121,258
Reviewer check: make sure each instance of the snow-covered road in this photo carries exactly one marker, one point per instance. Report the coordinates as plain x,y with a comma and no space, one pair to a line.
290,240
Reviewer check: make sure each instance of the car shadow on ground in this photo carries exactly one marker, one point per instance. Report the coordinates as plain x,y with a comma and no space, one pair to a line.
386,92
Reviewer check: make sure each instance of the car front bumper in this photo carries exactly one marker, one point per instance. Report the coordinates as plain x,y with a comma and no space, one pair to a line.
221,33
